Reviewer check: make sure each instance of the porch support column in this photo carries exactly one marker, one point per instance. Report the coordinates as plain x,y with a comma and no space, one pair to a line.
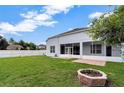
104,48
81,48
92,48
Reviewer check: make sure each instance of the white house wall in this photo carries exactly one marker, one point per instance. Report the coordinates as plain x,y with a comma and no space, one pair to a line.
74,38
116,51
78,38
53,42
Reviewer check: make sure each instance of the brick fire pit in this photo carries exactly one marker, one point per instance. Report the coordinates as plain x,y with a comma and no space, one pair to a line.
92,77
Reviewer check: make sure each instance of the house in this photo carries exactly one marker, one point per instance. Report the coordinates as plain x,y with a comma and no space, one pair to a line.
14,47
41,47
78,44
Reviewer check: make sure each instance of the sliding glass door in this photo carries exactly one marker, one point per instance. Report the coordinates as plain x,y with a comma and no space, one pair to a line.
68,50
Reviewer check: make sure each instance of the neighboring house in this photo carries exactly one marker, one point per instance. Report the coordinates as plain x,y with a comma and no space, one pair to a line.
78,44
41,47
14,47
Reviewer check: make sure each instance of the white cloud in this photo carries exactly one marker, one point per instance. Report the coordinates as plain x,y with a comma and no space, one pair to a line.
55,9
34,19
6,26
42,43
49,23
42,17
95,15
108,14
2,35
27,25
89,24
70,29
29,14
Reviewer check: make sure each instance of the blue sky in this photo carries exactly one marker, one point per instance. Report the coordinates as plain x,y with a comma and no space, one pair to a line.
37,23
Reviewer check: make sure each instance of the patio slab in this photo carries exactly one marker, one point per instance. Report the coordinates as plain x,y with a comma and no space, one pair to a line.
91,62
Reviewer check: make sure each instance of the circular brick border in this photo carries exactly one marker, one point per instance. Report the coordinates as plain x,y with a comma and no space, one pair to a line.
92,81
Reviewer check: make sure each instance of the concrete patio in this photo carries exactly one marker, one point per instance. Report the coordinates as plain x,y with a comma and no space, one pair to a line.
91,62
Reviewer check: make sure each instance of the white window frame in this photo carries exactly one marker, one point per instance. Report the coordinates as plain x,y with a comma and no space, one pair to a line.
52,49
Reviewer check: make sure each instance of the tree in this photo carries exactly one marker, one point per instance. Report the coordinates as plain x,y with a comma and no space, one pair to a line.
109,27
3,43
12,41
32,46
22,43
27,46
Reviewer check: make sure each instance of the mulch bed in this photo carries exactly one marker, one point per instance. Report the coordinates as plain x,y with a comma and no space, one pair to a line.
91,73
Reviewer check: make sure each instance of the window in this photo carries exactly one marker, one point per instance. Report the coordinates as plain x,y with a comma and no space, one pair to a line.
96,49
52,49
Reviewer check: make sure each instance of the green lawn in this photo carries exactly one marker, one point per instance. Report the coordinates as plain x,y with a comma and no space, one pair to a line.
46,71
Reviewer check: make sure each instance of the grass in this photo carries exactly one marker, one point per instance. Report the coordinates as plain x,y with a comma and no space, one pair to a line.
44,71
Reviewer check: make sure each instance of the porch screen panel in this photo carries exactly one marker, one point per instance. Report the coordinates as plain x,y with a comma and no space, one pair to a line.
62,49
96,49
76,49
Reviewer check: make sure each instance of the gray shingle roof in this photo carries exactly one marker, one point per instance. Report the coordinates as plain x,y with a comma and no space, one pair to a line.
14,47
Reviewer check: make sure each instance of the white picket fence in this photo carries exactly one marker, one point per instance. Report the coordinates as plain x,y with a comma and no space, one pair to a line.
16,53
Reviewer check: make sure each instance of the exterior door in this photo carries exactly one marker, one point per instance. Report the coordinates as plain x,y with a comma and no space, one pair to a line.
68,50
108,51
